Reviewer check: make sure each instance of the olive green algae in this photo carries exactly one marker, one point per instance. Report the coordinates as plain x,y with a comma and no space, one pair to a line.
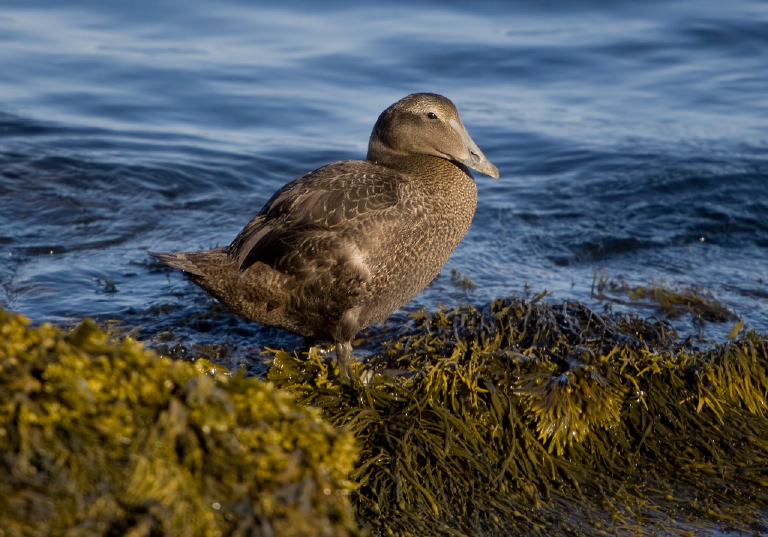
518,418
523,418
106,438
671,301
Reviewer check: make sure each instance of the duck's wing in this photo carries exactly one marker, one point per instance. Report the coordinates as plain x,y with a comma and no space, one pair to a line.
332,201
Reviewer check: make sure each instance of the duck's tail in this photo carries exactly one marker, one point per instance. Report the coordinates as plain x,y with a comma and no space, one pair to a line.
179,260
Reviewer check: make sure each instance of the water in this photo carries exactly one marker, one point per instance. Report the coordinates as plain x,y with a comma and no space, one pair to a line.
631,138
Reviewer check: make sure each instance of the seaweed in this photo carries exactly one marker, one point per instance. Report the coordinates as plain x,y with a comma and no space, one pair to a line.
672,302
105,438
526,418
520,417
464,283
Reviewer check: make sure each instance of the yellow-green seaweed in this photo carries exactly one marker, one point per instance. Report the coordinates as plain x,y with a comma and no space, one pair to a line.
101,438
524,418
518,418
672,301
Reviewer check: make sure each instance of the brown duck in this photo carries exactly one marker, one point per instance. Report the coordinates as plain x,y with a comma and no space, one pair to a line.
344,246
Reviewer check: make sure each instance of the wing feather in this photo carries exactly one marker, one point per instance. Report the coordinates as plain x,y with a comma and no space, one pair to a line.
329,199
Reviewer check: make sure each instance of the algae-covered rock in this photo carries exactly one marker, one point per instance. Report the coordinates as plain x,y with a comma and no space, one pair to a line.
106,438
523,418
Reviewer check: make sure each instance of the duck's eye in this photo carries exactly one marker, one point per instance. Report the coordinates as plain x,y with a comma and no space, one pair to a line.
431,115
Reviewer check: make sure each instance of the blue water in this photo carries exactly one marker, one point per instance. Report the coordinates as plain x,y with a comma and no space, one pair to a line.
631,138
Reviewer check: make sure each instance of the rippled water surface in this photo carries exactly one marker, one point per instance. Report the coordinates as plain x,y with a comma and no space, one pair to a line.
631,137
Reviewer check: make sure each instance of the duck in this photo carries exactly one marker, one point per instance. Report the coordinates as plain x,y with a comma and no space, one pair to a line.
344,246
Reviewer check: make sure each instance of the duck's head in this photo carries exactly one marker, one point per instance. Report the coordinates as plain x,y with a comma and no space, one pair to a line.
425,124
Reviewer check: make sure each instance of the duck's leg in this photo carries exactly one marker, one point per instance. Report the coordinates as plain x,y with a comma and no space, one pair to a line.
344,357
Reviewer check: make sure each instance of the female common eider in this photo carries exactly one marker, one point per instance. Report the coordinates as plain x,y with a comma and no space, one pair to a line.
344,246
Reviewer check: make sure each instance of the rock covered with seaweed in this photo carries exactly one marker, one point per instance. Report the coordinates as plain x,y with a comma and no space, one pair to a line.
106,438
518,418
524,418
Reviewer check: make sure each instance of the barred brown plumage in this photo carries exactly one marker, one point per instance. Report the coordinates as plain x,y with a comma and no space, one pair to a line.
344,246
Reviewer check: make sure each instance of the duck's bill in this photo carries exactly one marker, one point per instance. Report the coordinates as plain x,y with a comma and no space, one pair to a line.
474,158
